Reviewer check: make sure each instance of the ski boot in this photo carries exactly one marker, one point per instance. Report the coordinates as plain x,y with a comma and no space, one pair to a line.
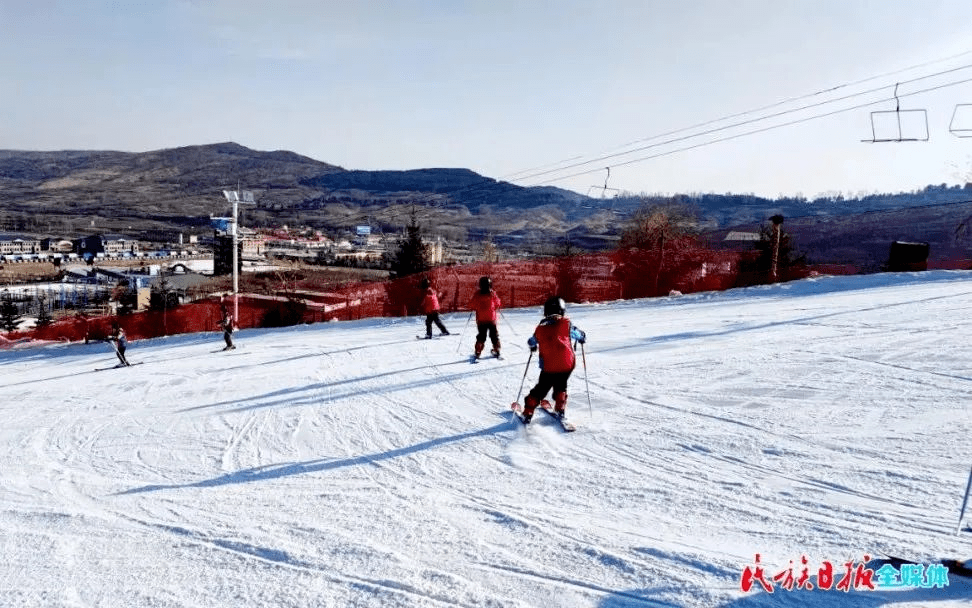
560,404
529,405
479,350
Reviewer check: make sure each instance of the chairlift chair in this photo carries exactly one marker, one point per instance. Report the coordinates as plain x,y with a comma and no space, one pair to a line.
917,118
961,123
604,190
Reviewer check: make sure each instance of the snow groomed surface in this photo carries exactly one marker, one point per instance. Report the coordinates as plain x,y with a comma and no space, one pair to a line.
349,464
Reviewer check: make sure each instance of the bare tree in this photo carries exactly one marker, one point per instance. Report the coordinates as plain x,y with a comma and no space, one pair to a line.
490,253
655,223
656,226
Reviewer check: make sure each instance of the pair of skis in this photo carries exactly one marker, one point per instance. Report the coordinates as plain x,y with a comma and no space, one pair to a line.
119,366
123,362
546,406
565,424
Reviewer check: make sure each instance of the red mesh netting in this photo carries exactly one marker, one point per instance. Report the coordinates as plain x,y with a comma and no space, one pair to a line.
622,274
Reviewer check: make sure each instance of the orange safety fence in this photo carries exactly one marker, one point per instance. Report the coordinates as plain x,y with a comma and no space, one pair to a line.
599,277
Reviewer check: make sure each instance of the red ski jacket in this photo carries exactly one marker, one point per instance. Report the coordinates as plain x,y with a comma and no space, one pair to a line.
485,305
431,302
553,337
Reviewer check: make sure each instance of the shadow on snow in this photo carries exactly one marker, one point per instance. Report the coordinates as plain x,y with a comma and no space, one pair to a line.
269,472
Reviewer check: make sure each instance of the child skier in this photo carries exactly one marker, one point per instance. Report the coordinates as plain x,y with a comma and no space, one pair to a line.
430,307
552,337
485,302
121,343
227,325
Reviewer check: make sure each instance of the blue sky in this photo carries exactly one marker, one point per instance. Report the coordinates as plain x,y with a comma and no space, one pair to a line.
502,87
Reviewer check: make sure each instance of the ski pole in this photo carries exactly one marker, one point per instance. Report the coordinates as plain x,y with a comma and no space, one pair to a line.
964,502
523,381
468,319
586,381
117,352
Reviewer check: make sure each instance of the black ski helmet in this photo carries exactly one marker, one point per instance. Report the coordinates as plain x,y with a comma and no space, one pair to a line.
485,284
424,283
554,306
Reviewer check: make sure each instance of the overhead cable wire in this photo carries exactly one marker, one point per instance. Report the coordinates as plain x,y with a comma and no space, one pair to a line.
486,182
734,125
756,131
489,181
752,111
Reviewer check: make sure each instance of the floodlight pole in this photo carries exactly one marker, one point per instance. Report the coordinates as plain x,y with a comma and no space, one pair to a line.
234,197
236,277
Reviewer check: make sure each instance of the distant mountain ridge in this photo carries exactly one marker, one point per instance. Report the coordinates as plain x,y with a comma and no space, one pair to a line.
461,186
177,189
38,166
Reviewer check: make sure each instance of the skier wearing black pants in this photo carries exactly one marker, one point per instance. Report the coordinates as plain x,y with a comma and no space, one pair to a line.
227,325
552,338
121,343
485,302
430,306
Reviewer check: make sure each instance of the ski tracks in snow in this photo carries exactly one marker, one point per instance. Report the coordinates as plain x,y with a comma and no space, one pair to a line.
349,464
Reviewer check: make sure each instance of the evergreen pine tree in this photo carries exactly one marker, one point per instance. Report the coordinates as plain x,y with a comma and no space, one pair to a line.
411,257
9,315
43,312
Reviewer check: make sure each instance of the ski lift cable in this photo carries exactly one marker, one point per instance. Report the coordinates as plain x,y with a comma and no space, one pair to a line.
799,97
756,131
754,110
742,123
490,181
510,176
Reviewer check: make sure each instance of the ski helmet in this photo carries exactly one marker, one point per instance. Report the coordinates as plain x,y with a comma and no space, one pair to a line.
424,283
485,284
554,306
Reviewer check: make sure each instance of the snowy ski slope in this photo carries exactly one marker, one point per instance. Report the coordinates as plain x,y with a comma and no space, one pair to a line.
349,464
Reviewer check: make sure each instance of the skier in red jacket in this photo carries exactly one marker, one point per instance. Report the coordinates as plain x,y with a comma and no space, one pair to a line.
485,302
552,337
430,306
